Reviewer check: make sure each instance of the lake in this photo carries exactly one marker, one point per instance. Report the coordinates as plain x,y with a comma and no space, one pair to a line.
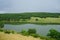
41,29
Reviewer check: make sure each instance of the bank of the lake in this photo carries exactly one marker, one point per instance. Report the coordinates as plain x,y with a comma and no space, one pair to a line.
41,29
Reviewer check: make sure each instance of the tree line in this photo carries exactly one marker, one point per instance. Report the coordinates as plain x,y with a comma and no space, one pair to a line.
18,16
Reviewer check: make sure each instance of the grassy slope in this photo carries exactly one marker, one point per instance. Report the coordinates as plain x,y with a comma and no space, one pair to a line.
4,36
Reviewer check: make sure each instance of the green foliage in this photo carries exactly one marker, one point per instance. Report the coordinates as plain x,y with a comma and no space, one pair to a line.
17,17
7,31
1,25
54,34
35,35
50,39
23,20
23,32
32,31
1,30
12,31
10,18
36,19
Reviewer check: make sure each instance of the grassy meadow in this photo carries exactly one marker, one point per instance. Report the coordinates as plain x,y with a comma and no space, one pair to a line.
42,20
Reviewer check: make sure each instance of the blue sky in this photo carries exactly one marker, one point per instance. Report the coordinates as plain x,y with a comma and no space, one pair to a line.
29,5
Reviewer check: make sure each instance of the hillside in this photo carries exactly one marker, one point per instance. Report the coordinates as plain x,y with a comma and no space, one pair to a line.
4,36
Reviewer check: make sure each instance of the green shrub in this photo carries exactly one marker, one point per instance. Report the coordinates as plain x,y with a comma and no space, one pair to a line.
23,32
1,25
1,30
54,34
7,31
35,35
13,32
36,19
32,31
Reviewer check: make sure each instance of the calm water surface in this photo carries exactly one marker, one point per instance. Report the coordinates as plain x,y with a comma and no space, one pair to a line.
41,29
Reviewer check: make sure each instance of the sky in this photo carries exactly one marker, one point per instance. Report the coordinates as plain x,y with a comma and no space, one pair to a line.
29,6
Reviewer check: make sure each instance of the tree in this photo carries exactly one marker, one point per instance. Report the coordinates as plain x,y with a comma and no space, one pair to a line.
36,19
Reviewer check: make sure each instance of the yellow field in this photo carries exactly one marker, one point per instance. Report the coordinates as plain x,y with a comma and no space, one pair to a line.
43,20
4,36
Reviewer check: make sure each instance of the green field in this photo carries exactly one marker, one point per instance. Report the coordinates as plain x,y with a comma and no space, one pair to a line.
41,20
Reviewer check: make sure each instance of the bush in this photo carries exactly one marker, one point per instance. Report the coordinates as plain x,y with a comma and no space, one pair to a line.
11,31
36,19
1,30
1,25
32,31
23,32
35,35
6,31
54,34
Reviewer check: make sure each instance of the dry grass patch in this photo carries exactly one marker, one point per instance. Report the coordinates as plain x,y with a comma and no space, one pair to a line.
4,36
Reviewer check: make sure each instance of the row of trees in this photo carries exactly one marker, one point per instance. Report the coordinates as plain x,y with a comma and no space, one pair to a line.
17,17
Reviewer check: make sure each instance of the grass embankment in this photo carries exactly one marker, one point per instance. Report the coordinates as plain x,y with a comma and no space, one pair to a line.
4,36
12,35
